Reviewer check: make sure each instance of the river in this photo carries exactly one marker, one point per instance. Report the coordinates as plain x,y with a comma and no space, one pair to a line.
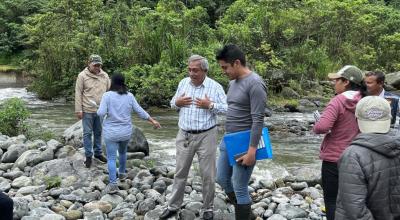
289,152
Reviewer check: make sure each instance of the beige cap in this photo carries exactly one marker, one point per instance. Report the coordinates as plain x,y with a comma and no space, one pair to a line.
373,115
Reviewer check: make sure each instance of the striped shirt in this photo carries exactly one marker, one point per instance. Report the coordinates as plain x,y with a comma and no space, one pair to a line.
193,118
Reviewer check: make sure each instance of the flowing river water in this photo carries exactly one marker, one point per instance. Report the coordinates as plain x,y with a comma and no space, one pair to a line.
289,152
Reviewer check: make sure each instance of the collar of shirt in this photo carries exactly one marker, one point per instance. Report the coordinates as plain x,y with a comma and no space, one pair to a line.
382,94
205,82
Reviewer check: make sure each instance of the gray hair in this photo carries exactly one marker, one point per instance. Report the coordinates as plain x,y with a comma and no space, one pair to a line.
203,61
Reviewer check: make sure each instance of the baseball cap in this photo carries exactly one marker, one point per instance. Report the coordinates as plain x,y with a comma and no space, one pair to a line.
95,59
349,72
373,115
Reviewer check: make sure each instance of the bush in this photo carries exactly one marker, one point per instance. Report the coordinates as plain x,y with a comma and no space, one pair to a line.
13,114
52,181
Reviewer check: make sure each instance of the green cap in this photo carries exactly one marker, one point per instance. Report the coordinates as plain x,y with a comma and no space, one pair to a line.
373,115
95,59
349,72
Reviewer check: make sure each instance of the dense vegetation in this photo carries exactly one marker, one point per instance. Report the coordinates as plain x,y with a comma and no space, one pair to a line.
150,41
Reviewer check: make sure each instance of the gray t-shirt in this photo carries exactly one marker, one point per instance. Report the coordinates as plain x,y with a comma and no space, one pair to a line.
246,99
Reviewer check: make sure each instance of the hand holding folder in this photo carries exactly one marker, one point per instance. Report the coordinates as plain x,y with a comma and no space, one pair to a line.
237,145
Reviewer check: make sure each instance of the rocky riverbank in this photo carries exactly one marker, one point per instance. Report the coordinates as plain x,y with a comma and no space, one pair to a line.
48,180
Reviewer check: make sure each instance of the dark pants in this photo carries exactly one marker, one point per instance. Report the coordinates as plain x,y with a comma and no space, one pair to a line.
6,207
330,179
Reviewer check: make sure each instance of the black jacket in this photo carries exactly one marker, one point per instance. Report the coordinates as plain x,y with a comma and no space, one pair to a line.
369,179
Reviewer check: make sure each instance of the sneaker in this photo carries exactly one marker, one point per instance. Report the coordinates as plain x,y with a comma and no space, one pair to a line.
88,162
111,189
101,158
122,176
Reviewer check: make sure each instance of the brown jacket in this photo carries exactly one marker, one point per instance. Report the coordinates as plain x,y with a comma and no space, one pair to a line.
89,89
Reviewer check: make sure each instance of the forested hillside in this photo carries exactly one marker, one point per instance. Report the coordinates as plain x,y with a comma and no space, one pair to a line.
150,41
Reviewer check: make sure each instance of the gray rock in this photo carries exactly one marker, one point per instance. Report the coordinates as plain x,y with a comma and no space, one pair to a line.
298,186
71,170
13,152
160,186
138,142
94,215
97,184
297,200
6,166
29,190
21,207
276,217
103,206
76,206
259,211
187,215
220,204
280,198
154,214
145,206
289,211
288,92
121,209
13,174
65,151
21,181
66,203
153,194
310,175
53,145
55,192
72,214
36,144
114,199
259,204
268,213
195,207
131,198
4,184
5,144
393,79
26,158
40,212
135,155
312,192
268,184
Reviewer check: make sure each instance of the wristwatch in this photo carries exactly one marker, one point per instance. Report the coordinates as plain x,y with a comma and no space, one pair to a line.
211,106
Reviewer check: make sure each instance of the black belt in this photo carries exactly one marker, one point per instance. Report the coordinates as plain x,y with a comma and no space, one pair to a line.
199,131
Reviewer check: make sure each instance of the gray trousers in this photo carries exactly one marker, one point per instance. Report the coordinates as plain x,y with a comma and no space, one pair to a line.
187,145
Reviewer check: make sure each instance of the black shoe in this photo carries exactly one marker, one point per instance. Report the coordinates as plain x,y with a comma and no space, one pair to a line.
209,215
88,162
231,198
243,212
167,213
101,158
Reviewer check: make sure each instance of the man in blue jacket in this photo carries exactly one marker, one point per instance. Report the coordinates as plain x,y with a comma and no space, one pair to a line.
375,82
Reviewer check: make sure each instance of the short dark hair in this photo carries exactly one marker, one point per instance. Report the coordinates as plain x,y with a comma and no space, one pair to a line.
118,84
380,76
230,53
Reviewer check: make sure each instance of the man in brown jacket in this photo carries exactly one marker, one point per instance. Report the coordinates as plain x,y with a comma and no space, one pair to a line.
91,84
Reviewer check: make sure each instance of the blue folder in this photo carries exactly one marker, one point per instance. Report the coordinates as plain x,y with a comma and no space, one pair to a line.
237,144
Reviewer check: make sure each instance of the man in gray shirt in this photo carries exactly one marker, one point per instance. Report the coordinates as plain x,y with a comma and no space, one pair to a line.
246,100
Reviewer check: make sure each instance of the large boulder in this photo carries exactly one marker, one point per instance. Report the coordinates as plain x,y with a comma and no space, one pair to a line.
393,79
138,143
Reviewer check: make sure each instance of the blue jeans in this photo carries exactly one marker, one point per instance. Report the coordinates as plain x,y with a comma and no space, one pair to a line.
112,147
91,124
233,178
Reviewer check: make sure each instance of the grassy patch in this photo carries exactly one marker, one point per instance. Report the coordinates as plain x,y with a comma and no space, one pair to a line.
52,181
8,68
279,101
